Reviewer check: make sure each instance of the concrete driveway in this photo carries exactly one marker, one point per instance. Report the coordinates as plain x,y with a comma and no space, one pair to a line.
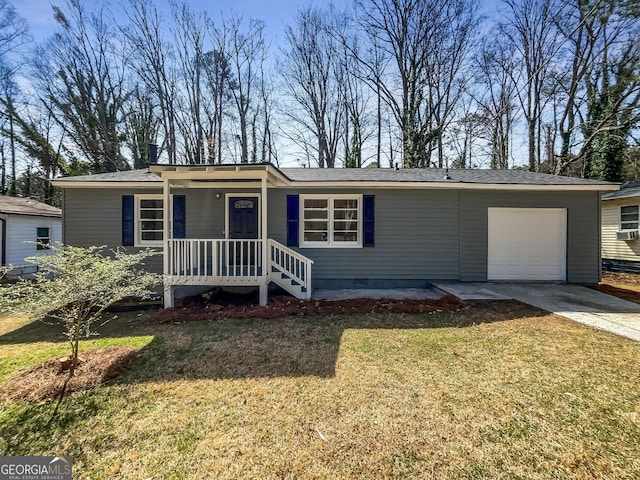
575,302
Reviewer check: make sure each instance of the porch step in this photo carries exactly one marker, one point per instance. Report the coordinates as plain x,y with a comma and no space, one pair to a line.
290,270
291,286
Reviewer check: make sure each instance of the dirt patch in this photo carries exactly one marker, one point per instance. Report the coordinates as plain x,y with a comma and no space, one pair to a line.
284,306
44,382
621,285
621,278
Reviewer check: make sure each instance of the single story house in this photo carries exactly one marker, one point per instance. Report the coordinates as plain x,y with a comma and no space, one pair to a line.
26,227
257,224
620,220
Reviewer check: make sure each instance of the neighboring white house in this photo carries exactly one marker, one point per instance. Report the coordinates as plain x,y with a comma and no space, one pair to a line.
620,222
24,223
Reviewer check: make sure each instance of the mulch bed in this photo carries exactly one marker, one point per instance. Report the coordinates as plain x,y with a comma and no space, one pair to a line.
44,382
624,293
285,306
621,285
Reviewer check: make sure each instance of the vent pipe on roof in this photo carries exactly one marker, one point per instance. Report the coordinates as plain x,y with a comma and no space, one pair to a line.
153,153
446,174
397,166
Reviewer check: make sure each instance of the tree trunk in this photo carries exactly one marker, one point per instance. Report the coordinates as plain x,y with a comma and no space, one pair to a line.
531,125
12,147
3,178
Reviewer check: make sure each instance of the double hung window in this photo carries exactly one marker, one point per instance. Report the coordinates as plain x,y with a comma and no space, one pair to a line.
149,220
331,220
629,217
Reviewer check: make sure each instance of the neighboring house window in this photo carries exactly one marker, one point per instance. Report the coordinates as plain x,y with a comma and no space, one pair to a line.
43,238
629,217
331,220
149,220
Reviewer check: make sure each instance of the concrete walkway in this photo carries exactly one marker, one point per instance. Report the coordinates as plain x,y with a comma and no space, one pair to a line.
581,304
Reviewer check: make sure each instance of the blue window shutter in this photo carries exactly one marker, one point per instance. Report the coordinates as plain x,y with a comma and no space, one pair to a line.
293,220
128,227
179,216
369,208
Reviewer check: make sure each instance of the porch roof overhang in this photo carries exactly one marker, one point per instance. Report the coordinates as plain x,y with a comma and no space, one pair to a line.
220,176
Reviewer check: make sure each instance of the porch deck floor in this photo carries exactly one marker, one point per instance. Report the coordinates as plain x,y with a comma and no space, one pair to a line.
395,293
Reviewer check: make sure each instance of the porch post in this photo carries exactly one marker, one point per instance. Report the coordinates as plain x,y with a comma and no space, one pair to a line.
264,285
166,252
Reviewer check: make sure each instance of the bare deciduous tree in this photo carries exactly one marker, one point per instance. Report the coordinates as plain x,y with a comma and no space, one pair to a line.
246,50
152,61
188,34
312,75
82,84
495,97
602,89
428,42
141,126
530,29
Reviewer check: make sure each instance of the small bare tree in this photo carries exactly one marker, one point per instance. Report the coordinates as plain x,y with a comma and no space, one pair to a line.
75,286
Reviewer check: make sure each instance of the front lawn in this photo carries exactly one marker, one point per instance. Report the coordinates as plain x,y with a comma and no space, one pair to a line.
496,390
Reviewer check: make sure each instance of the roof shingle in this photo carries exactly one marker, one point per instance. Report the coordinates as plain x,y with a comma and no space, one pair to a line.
425,175
520,177
27,206
627,190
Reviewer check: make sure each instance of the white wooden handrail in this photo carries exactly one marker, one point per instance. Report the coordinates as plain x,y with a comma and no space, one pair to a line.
237,262
296,267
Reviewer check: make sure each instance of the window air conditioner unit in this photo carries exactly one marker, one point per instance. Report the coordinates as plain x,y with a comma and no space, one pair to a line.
628,235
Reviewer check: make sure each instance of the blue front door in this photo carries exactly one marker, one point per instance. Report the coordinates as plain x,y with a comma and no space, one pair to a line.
243,224
243,217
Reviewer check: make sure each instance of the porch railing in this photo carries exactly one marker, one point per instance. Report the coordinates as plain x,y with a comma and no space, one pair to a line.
207,260
294,269
238,262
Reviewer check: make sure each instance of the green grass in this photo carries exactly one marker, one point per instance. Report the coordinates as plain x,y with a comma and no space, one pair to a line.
24,344
494,391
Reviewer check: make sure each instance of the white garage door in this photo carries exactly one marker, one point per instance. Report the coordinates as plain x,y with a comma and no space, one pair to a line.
527,244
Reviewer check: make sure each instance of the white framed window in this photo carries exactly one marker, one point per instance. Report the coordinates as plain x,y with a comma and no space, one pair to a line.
149,223
331,221
629,218
43,238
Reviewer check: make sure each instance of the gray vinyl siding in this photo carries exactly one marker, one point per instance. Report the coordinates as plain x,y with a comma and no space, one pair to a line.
421,235
416,237
583,249
93,217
